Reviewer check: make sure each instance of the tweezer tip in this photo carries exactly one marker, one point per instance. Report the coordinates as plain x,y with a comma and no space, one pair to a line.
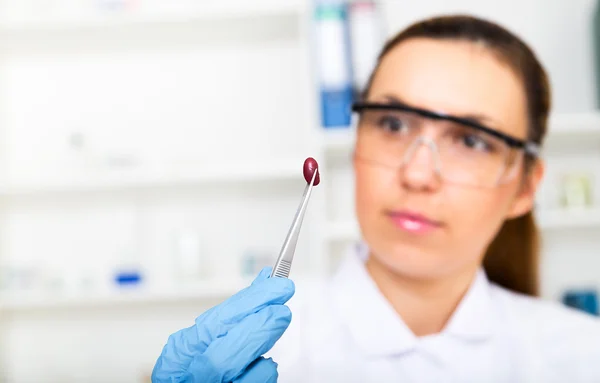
314,177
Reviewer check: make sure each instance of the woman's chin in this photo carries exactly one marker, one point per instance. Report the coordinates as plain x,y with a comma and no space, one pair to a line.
411,262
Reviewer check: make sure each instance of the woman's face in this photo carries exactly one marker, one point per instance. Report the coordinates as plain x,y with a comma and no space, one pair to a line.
457,78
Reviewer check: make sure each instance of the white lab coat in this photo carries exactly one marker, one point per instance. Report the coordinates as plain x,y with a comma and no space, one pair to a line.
343,330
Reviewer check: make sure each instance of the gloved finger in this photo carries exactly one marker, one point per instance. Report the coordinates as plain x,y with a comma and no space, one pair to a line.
227,357
260,371
176,356
262,275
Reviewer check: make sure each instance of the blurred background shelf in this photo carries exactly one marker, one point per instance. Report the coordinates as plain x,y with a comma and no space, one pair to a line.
115,181
574,124
339,140
569,218
201,291
90,15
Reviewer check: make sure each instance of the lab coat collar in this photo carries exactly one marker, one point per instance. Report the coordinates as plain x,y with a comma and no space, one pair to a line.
376,327
474,318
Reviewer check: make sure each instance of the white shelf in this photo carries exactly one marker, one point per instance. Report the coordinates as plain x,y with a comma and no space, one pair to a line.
564,219
126,297
86,18
574,124
547,220
338,139
140,179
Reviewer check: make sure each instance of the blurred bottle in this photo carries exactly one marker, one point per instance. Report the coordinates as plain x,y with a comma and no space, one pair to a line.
584,300
577,190
334,62
254,260
367,37
190,263
129,270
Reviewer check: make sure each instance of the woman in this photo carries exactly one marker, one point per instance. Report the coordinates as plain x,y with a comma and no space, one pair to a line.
444,286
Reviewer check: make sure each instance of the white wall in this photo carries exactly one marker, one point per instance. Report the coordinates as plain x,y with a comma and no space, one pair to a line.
189,94
559,32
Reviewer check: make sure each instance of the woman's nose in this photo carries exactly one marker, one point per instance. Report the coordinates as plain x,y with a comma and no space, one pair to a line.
421,165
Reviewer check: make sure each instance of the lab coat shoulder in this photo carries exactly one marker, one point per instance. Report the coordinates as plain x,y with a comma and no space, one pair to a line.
564,339
544,317
561,342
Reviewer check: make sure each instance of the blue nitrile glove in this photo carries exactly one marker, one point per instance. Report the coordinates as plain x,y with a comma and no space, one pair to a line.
227,342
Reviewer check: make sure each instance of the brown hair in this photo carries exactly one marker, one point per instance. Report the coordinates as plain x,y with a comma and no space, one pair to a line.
512,259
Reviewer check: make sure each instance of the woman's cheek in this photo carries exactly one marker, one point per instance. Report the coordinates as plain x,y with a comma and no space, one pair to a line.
476,214
373,190
367,191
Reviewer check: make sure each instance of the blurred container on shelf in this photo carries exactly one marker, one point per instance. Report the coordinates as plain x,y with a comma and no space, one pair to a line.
19,278
585,300
191,264
334,62
577,190
254,260
126,277
367,37
51,280
128,273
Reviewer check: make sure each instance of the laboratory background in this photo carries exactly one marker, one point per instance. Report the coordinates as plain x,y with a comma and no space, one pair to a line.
151,158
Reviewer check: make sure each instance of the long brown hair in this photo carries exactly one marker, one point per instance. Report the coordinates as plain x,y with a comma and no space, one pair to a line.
512,258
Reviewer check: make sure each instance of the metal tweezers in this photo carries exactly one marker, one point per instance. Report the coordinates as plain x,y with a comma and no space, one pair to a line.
286,255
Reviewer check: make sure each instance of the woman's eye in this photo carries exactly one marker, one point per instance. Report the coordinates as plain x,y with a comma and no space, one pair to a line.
391,123
476,142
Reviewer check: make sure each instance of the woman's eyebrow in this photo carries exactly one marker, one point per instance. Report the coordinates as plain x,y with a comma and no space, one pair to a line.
472,117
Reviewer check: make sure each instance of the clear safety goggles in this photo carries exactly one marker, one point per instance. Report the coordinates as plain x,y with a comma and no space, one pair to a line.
463,151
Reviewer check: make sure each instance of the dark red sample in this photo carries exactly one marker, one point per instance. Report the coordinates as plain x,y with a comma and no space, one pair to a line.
310,167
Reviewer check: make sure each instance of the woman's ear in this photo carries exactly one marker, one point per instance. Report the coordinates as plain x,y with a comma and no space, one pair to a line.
525,198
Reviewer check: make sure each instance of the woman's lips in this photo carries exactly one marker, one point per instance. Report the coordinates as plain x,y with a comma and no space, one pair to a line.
414,222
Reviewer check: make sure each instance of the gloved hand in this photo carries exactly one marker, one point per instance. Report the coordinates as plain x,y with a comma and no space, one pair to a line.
227,342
